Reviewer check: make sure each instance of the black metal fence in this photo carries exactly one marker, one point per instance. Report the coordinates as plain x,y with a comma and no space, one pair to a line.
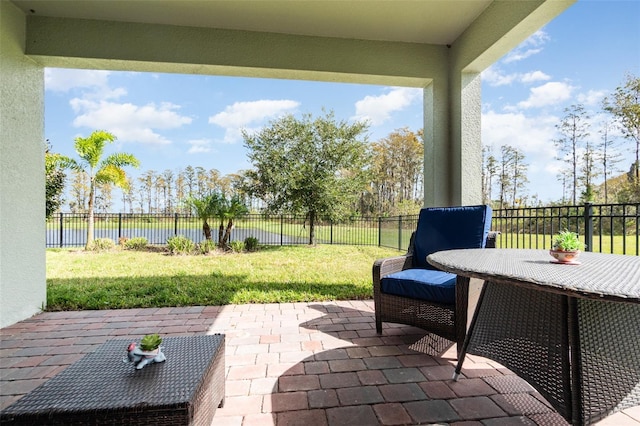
70,229
606,228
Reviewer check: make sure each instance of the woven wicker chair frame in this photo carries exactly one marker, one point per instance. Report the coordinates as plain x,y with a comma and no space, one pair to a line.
445,320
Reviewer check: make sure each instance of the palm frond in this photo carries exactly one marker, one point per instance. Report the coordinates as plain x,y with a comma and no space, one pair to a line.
90,149
112,175
121,159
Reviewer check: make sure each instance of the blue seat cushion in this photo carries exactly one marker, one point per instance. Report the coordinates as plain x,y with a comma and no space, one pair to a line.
424,284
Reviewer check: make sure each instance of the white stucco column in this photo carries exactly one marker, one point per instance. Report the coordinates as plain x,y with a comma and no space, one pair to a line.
452,141
467,142
22,188
437,186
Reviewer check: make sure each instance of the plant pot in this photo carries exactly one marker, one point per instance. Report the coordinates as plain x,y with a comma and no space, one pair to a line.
141,358
150,354
562,256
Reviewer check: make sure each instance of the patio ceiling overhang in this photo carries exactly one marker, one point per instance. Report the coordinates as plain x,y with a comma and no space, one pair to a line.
380,42
438,45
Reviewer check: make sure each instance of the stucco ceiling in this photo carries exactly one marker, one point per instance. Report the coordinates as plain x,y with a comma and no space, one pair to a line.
420,21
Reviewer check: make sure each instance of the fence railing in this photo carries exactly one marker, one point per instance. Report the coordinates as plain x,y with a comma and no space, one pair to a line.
606,228
70,229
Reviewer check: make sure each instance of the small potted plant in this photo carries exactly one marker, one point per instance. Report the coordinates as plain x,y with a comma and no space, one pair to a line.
566,246
148,352
150,343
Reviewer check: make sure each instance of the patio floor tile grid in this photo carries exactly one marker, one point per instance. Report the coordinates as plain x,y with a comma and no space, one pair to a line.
297,364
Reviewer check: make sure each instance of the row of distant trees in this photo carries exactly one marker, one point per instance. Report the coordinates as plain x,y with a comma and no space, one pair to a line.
389,175
504,180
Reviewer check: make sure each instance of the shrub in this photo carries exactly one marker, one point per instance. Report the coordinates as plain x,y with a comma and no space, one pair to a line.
102,244
206,246
137,243
180,245
251,243
237,246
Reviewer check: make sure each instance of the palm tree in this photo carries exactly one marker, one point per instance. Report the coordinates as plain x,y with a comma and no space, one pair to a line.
101,171
217,205
229,210
205,208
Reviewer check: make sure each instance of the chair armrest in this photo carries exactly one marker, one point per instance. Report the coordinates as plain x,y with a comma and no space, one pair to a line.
389,265
491,239
382,268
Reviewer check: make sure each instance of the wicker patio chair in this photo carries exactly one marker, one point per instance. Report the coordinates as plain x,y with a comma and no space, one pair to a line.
408,290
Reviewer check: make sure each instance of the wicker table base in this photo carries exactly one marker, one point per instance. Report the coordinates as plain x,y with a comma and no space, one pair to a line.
101,389
571,331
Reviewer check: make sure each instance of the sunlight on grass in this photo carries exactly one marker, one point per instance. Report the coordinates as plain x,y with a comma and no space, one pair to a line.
79,280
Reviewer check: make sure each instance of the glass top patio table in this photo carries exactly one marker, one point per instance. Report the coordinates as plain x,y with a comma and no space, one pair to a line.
571,331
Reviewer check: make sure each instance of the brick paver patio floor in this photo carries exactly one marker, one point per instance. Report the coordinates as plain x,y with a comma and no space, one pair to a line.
296,364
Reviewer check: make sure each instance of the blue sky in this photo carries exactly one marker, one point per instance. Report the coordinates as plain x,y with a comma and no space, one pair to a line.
170,121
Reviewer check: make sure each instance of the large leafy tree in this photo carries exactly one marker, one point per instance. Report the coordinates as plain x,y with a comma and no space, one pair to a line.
310,166
54,166
624,104
99,170
397,170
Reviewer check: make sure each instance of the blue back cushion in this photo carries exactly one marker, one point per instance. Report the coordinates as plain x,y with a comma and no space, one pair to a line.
448,228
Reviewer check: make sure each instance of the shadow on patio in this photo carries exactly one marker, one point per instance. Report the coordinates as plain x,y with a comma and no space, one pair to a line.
296,363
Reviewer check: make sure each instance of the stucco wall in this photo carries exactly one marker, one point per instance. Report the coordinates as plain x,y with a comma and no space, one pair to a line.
22,189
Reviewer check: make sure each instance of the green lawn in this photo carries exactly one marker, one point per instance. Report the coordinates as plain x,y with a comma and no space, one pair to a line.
78,280
616,244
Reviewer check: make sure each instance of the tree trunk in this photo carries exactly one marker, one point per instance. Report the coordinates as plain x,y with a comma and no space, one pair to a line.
220,234
312,231
227,232
90,225
207,230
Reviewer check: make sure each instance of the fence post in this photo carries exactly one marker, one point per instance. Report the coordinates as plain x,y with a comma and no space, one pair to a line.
330,231
379,231
281,229
399,232
588,226
119,226
61,230
175,224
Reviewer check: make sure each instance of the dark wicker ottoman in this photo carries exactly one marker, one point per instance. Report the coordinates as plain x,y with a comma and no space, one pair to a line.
101,389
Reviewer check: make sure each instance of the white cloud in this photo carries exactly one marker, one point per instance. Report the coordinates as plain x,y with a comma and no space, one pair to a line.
199,146
129,122
378,109
592,97
548,94
531,46
533,135
495,77
63,80
532,77
96,108
240,115
521,54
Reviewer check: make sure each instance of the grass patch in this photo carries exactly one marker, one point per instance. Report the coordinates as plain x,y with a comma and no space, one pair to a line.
79,280
616,244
